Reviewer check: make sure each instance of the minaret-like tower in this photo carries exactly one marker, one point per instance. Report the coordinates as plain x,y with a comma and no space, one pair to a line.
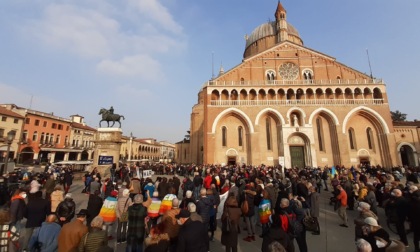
281,24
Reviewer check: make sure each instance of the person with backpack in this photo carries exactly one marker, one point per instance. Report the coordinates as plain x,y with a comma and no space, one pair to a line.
264,210
291,216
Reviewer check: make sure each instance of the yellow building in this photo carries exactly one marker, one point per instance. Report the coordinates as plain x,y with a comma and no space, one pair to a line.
289,104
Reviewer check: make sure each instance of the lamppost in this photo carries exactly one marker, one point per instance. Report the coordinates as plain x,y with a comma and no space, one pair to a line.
131,144
9,140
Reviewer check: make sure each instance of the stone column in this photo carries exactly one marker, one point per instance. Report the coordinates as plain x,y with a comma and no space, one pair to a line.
107,149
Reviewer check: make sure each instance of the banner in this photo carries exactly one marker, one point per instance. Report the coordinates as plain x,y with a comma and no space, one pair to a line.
223,198
147,173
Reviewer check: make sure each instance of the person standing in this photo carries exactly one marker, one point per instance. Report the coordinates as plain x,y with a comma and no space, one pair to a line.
49,186
192,235
68,180
170,225
94,206
401,207
109,212
57,196
264,210
204,206
249,194
136,226
96,238
47,234
17,209
342,209
314,207
66,209
230,224
414,216
71,233
122,207
37,211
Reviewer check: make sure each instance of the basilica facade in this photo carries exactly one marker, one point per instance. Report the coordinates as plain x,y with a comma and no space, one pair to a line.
292,105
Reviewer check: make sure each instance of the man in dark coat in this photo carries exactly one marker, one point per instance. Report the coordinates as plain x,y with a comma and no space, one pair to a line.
414,216
399,207
94,206
66,209
68,179
37,211
204,206
192,235
135,232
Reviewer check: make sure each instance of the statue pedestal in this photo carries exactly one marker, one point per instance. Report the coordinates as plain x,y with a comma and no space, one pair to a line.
107,150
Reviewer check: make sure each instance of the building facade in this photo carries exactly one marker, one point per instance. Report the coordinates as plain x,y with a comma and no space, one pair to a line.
292,105
10,122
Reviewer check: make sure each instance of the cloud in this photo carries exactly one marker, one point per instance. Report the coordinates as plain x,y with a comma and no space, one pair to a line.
105,34
137,65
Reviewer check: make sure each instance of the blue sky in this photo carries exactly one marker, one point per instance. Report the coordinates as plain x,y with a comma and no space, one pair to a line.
149,58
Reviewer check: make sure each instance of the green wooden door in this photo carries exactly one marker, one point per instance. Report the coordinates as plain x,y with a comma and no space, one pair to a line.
297,156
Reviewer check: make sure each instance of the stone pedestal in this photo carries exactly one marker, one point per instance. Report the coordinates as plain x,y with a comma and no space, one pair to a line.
107,149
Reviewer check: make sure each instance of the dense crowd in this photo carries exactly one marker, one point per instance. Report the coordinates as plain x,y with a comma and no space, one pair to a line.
180,212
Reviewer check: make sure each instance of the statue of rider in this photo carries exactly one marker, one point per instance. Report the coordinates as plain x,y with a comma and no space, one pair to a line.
111,110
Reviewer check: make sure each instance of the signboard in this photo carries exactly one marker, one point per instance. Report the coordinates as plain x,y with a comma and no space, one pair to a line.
281,161
105,160
147,173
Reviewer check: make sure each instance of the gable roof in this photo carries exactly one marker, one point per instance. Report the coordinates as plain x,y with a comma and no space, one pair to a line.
6,112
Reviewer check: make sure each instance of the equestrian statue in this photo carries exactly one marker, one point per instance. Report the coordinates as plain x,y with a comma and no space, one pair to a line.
109,116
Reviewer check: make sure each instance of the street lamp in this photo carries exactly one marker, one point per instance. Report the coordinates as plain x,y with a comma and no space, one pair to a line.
9,140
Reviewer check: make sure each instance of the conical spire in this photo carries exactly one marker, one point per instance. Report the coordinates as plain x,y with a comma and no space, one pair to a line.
280,9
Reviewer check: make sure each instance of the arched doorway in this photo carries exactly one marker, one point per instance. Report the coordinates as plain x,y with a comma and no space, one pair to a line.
26,156
299,151
231,155
407,156
84,156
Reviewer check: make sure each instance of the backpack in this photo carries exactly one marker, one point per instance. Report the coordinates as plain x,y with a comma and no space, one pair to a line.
244,207
290,224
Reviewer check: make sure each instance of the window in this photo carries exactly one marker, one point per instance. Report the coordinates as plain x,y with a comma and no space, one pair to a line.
54,126
51,139
47,138
27,120
45,124
35,136
60,126
369,135
308,74
36,122
224,136
66,140
24,136
320,136
67,128
352,139
42,138
268,132
57,140
3,118
240,134
16,121
271,75
1,133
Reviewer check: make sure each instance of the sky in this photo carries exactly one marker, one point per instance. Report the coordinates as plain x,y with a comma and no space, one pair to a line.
149,58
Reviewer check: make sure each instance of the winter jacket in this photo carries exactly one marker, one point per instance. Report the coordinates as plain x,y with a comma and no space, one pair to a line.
37,210
204,207
57,197
17,208
122,205
47,235
108,210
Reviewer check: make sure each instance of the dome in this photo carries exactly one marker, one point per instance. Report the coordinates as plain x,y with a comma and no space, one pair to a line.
268,29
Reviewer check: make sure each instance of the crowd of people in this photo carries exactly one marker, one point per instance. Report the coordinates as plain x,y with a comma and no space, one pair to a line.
180,212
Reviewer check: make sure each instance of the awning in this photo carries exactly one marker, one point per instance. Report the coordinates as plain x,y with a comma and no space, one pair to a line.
60,150
72,162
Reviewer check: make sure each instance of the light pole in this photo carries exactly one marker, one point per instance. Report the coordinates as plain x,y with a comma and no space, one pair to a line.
9,140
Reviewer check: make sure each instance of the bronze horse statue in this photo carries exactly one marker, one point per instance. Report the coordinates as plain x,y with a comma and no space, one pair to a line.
107,116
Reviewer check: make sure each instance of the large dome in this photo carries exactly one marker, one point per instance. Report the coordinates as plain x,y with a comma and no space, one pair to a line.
268,29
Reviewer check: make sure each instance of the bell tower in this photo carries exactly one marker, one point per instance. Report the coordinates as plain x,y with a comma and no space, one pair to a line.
281,23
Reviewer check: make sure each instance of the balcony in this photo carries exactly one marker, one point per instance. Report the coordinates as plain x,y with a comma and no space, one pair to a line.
308,102
306,83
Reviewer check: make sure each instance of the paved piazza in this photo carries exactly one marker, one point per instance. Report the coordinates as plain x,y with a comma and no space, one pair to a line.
333,237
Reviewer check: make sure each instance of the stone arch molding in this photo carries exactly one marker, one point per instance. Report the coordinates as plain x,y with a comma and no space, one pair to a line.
405,143
298,109
373,112
232,152
329,112
232,110
257,119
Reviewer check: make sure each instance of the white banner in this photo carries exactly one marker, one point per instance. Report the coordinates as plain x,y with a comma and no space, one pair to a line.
223,198
147,173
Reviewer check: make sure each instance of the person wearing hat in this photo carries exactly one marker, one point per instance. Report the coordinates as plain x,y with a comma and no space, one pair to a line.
375,234
364,212
192,234
66,209
71,233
